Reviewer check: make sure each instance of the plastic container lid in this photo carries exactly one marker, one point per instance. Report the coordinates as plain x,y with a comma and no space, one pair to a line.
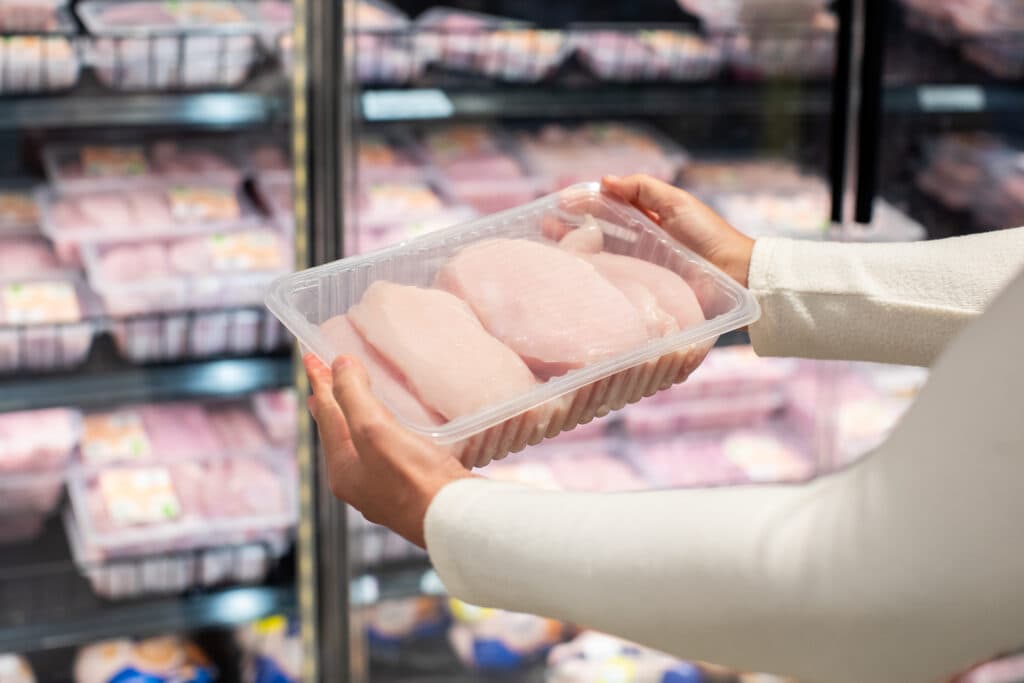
304,301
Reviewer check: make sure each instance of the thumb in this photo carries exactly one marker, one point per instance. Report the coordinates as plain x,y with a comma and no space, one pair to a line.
647,193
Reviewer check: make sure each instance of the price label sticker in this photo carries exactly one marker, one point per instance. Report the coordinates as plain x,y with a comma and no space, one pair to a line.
110,437
36,303
242,251
139,496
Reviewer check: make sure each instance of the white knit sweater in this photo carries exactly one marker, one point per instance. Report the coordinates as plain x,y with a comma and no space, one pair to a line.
901,569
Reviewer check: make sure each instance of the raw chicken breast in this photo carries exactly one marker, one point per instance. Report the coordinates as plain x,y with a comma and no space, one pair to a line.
670,291
549,306
659,322
446,355
384,380
586,239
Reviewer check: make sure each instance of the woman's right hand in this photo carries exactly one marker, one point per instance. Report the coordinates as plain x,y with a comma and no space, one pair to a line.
691,222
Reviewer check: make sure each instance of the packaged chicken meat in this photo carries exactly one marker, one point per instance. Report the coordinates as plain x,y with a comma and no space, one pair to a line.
495,640
29,257
387,156
35,447
206,271
382,48
19,213
497,47
665,418
593,656
37,63
730,13
560,156
586,465
71,221
800,51
152,45
31,15
165,659
647,55
278,412
565,331
46,322
99,166
480,166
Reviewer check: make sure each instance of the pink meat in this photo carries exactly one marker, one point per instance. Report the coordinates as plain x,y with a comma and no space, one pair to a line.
277,411
659,322
37,440
586,239
107,210
179,430
239,487
387,384
669,290
150,210
134,262
445,354
552,308
238,431
26,256
136,14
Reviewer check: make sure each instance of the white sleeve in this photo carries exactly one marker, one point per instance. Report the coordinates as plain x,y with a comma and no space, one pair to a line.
896,303
902,569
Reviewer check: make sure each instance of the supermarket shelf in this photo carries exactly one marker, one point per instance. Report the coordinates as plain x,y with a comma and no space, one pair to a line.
605,100
262,102
227,607
107,380
953,99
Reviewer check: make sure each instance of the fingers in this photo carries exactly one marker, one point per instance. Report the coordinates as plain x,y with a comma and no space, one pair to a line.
363,411
329,419
646,193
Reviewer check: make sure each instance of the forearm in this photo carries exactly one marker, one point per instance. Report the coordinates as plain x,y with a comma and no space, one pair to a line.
898,303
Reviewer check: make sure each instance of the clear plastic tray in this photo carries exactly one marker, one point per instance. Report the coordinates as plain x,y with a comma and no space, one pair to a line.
220,270
196,334
19,213
30,492
72,221
38,63
209,505
183,45
98,167
633,54
305,300
29,257
33,338
492,46
37,441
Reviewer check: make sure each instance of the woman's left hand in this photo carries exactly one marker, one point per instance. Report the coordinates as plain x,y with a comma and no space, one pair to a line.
386,472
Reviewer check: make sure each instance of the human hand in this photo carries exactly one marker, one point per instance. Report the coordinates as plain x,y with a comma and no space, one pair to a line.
688,220
386,472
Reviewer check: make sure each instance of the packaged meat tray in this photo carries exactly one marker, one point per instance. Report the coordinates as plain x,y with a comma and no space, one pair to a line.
275,194
35,446
374,236
802,51
480,166
631,55
388,156
727,13
162,659
497,47
561,156
151,45
45,323
665,419
71,221
383,49
205,521
587,336
29,257
98,167
31,15
19,213
37,64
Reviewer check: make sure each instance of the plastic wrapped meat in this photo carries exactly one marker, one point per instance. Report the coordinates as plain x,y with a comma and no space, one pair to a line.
44,324
277,411
30,64
492,46
30,15
382,49
767,455
38,439
649,55
442,323
590,468
394,202
561,316
26,257
157,432
788,51
238,431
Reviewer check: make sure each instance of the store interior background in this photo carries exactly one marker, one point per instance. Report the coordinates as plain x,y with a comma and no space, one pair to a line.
149,192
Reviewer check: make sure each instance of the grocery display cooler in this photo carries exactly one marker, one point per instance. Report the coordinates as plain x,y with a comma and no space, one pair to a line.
148,194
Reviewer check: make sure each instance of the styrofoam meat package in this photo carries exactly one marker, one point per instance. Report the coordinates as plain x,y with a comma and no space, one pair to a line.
788,51
560,156
144,528
163,659
37,63
648,55
19,213
99,166
562,331
593,656
46,323
491,46
31,15
772,453
151,45
480,166
71,221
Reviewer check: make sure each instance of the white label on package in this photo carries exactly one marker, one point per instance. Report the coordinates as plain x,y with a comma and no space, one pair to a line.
951,98
423,103
204,204
33,303
114,436
245,251
139,496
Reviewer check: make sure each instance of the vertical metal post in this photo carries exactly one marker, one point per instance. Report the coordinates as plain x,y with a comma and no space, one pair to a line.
320,126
